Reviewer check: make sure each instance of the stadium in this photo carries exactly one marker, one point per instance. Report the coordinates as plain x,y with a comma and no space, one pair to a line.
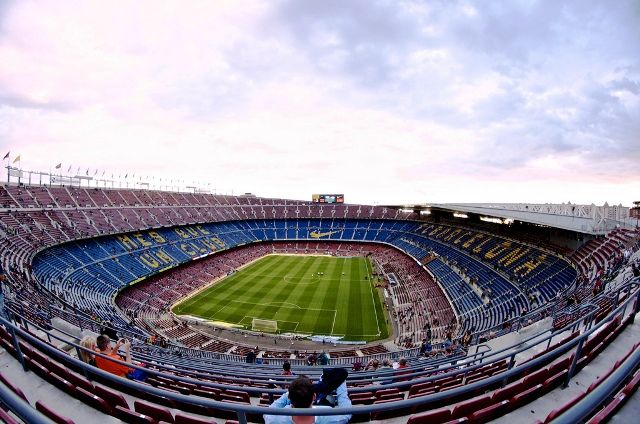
319,212
541,303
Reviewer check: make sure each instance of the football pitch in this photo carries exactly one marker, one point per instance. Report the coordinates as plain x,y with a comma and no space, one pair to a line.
312,295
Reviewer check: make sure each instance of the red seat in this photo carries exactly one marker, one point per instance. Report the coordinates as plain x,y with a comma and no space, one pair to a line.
383,392
40,358
507,392
424,392
390,396
132,417
79,381
185,419
51,414
536,377
525,397
113,398
180,389
94,401
157,399
559,411
36,367
489,413
24,348
559,366
609,410
467,407
64,385
225,413
210,393
553,381
362,399
385,415
417,388
237,393
6,418
56,368
15,389
159,413
437,416
632,385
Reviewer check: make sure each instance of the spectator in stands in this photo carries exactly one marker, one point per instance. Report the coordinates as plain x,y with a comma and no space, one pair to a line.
448,341
251,357
386,364
88,342
311,359
466,339
373,364
105,347
423,347
301,394
402,363
324,358
286,369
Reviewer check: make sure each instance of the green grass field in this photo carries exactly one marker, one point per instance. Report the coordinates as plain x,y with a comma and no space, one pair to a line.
288,289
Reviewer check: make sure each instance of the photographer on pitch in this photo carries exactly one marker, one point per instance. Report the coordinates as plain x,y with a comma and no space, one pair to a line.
305,394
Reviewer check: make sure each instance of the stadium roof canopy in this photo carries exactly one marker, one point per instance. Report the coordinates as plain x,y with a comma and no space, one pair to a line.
589,219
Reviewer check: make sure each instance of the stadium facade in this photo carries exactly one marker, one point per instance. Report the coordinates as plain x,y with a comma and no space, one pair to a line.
514,301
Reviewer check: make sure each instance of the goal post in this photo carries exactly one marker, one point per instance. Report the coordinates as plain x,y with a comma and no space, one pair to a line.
264,325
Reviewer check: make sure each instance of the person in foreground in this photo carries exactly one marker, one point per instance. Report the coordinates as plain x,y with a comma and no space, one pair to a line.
302,394
105,347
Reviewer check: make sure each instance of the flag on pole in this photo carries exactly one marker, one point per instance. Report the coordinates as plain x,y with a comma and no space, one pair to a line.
69,170
104,172
95,173
6,156
17,159
58,166
87,173
78,171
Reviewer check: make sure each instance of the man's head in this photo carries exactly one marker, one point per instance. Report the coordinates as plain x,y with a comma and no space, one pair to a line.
103,343
301,392
286,366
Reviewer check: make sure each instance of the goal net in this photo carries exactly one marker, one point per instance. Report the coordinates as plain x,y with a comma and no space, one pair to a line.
264,325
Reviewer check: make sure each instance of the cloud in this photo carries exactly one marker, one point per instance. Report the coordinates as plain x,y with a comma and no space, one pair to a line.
385,101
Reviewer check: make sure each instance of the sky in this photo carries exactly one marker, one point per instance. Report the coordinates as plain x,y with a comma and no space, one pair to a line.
388,102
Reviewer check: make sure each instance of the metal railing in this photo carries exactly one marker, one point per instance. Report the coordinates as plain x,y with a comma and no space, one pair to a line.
243,410
586,406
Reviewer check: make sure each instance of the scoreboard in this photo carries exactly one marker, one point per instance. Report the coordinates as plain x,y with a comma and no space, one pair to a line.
327,198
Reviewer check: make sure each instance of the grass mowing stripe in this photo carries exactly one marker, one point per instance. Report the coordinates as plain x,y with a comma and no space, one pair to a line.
290,290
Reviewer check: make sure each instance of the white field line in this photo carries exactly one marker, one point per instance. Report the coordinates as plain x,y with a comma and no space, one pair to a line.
373,301
285,307
334,321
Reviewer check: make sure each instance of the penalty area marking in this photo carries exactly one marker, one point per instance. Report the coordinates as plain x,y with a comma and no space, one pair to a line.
251,318
276,303
281,303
